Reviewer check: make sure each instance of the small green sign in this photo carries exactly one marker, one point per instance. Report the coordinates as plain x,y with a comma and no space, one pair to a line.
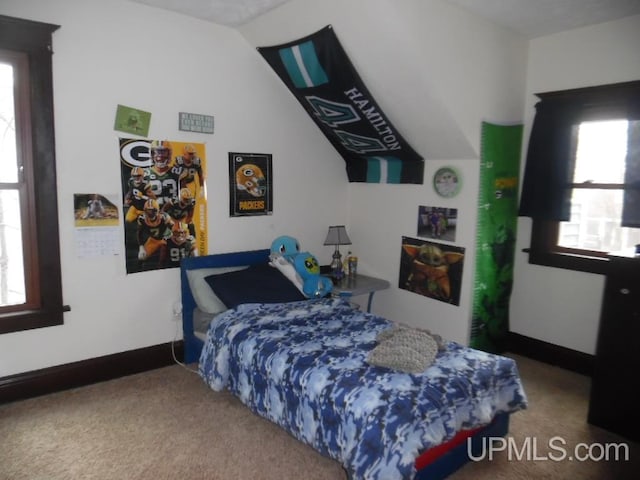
132,120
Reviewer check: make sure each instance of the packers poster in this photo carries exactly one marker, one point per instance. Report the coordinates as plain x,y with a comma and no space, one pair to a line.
250,184
164,202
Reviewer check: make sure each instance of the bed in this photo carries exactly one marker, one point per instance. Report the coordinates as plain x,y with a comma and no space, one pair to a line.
306,365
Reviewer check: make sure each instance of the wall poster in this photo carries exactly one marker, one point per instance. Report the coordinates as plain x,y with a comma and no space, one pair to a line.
164,202
431,269
250,184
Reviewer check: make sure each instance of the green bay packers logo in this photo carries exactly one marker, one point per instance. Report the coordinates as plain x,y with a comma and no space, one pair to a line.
135,153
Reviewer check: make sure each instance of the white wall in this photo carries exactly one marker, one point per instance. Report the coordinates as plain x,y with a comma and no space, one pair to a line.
119,52
554,305
437,73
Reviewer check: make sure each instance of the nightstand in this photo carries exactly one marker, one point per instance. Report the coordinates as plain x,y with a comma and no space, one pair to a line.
359,285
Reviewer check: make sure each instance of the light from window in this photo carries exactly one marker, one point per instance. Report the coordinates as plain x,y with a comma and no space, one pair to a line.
12,283
598,183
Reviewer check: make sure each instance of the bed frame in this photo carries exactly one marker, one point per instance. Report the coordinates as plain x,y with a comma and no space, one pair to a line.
434,464
192,344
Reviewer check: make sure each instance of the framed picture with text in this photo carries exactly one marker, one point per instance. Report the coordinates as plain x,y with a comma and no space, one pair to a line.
250,184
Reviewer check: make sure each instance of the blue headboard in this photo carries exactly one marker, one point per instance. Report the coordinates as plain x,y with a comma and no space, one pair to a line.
192,344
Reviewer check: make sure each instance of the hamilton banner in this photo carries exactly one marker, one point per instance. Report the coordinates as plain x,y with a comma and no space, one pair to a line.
318,72
496,235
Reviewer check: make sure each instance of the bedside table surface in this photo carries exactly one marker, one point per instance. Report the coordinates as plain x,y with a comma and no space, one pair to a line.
359,285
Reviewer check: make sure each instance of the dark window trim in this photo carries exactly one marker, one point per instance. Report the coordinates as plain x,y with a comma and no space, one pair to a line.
600,94
34,39
545,252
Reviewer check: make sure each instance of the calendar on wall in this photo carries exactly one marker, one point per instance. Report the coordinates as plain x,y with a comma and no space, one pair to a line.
97,225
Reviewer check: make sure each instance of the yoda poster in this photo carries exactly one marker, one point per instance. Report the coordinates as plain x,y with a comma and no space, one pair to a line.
431,269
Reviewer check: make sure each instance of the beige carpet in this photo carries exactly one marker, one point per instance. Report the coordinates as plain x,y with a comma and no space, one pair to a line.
166,424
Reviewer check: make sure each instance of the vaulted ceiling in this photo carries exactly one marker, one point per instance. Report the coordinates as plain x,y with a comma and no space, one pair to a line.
530,18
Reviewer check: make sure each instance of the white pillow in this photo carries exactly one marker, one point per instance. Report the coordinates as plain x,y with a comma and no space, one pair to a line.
206,300
288,270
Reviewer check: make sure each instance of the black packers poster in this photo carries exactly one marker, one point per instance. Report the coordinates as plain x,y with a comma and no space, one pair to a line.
321,76
496,235
164,202
250,184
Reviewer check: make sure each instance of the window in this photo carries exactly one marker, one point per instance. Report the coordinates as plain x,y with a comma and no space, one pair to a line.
30,282
598,185
582,177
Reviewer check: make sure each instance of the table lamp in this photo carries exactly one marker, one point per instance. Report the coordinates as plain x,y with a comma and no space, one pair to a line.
337,235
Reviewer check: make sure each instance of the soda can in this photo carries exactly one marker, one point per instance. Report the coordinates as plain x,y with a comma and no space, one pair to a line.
353,266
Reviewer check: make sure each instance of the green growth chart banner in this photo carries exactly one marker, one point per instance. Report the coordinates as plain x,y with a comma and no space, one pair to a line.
496,235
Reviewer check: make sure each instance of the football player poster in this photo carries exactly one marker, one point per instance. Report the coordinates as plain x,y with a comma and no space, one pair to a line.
250,184
164,202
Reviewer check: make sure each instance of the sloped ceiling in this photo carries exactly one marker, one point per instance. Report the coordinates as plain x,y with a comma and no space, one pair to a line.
446,132
224,12
527,17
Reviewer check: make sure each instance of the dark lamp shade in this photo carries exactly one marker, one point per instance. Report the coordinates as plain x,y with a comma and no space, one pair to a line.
337,235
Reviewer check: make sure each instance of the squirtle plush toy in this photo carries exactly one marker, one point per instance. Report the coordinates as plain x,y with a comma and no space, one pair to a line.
301,268
314,285
284,246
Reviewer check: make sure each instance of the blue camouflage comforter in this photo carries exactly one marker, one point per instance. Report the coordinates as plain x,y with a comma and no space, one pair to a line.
303,366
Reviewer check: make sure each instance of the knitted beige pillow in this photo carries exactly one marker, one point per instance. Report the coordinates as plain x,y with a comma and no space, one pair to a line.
405,349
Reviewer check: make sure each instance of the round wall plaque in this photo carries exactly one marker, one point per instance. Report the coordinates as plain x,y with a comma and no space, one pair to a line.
447,182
